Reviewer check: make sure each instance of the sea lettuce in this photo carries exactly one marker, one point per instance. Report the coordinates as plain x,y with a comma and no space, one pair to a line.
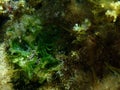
32,48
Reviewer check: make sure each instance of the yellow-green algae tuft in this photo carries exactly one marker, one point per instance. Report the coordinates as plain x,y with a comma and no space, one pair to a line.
6,70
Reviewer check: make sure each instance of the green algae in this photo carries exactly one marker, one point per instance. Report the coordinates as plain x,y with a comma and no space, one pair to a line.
64,45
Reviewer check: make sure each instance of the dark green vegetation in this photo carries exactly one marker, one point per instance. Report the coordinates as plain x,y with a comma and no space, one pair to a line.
64,44
32,49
